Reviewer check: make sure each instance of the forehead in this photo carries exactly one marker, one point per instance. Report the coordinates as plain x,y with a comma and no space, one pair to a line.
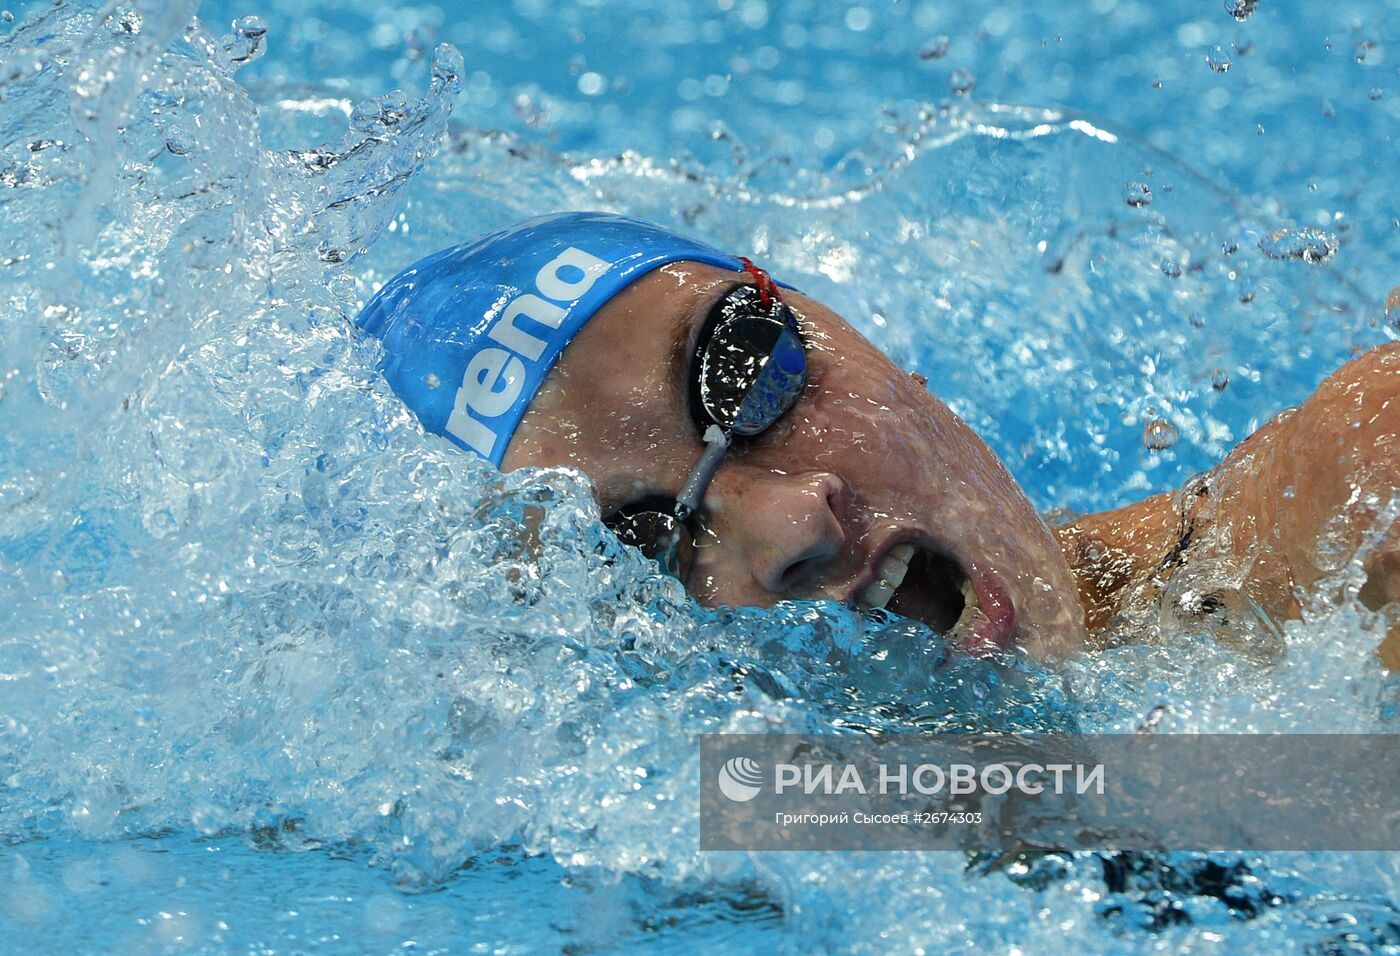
615,404
614,394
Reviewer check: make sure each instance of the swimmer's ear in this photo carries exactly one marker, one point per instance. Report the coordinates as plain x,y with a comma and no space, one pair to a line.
918,378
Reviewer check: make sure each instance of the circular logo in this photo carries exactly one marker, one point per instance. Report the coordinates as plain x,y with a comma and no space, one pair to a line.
740,779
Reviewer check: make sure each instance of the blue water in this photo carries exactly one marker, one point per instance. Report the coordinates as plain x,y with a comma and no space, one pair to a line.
276,671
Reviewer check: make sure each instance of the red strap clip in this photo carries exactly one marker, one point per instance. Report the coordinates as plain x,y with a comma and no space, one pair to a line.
767,288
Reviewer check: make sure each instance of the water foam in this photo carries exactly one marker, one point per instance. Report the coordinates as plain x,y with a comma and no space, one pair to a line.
248,596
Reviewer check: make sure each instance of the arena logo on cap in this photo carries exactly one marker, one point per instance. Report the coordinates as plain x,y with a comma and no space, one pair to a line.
494,377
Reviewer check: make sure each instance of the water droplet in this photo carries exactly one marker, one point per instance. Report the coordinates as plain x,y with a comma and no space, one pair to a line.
1218,59
447,67
529,111
129,22
1376,93
1359,51
1137,194
1229,247
1240,9
591,84
1327,109
935,49
961,82
1159,434
431,380
7,16
1219,379
245,43
251,26
1308,243
207,818
1197,320
1392,307
1243,47
1289,493
1156,84
1171,268
1334,544
1247,296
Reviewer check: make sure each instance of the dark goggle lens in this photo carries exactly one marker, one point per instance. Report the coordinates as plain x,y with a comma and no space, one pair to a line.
752,366
659,536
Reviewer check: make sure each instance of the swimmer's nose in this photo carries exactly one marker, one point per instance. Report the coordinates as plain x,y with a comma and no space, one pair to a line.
789,527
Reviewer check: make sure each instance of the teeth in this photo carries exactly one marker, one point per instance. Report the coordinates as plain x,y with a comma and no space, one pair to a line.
888,578
969,595
969,606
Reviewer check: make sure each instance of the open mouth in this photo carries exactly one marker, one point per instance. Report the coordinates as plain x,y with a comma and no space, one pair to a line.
932,587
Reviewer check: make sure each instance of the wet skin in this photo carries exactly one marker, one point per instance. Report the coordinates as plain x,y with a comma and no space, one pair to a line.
1287,507
868,459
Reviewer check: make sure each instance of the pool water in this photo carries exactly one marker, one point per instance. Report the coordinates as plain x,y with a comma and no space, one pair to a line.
275,672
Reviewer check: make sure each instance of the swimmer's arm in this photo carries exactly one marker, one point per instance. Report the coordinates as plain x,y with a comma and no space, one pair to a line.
1340,450
1339,453
1275,493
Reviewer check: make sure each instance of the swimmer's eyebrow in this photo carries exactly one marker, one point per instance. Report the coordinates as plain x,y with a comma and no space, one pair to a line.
683,341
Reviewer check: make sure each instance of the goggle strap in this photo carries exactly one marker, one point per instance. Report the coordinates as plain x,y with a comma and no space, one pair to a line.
716,444
767,288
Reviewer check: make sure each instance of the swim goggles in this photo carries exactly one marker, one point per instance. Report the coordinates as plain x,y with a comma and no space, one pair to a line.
749,366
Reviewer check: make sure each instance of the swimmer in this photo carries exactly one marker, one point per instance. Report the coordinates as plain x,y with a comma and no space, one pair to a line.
761,449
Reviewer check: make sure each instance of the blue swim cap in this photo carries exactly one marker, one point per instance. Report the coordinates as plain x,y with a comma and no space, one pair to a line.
470,332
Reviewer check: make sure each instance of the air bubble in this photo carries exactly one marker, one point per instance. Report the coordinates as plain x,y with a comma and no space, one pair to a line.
1219,379
1240,9
935,49
1171,268
1137,194
961,82
1358,52
1197,320
7,16
1218,59
1159,434
1376,93
1308,243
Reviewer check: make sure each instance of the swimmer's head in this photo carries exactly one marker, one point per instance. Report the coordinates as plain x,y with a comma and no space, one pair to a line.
864,488
471,332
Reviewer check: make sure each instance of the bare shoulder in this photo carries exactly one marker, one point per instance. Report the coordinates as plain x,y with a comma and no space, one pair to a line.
1266,506
1329,467
1348,432
1369,383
